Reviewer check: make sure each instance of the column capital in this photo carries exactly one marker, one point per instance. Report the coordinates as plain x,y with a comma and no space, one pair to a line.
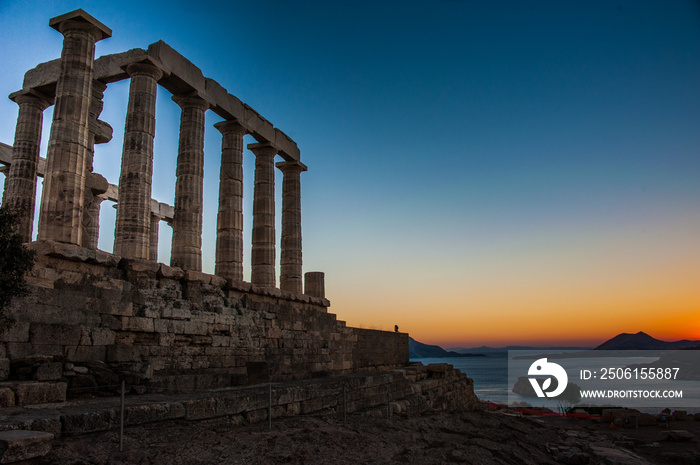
33,97
291,166
230,126
262,148
79,19
191,99
148,67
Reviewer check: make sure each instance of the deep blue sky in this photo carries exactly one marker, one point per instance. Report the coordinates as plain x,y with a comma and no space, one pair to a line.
515,159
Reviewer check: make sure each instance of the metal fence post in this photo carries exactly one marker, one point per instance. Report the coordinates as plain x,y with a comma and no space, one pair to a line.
121,420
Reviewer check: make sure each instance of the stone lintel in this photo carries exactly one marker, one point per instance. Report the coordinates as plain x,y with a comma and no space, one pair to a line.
6,154
162,210
180,77
80,15
288,148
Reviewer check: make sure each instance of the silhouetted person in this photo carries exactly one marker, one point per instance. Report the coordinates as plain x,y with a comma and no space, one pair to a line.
396,328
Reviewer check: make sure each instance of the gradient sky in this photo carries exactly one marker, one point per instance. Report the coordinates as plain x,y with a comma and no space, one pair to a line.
480,172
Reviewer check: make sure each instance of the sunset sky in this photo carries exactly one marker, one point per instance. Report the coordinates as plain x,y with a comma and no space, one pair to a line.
480,172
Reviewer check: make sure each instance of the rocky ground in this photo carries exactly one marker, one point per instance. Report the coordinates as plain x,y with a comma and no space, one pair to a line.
478,437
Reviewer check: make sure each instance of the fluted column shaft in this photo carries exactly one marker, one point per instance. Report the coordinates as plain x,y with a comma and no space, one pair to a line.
187,219
229,229
91,212
61,217
132,233
291,256
155,229
263,253
20,185
92,229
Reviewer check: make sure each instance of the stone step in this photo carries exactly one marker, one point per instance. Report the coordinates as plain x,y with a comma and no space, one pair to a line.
20,445
20,393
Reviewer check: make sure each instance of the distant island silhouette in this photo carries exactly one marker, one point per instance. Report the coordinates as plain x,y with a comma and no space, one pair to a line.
623,341
642,341
419,350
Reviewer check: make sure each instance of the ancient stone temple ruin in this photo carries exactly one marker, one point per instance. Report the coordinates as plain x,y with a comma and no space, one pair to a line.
166,323
121,314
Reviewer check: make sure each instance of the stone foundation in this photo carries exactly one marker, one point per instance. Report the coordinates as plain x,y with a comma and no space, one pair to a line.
161,327
411,390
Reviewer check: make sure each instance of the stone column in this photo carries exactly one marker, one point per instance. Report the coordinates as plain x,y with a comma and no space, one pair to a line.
62,204
229,226
100,133
314,284
92,229
263,254
187,220
20,184
290,260
132,233
155,229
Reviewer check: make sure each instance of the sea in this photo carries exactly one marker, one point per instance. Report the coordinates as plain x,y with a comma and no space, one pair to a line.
490,374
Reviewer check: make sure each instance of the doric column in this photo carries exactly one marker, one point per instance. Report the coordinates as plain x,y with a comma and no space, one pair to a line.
20,185
263,254
92,229
155,229
62,204
100,133
132,233
187,220
290,260
229,229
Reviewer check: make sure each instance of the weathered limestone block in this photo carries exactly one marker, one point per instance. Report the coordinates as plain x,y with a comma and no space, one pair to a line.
90,422
4,369
18,332
19,445
122,353
137,324
54,334
102,337
136,415
86,353
170,272
49,371
7,397
31,393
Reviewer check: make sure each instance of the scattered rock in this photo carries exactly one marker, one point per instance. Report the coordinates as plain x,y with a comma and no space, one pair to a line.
677,436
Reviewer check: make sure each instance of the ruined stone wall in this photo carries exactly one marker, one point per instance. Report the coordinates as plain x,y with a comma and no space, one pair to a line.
164,327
